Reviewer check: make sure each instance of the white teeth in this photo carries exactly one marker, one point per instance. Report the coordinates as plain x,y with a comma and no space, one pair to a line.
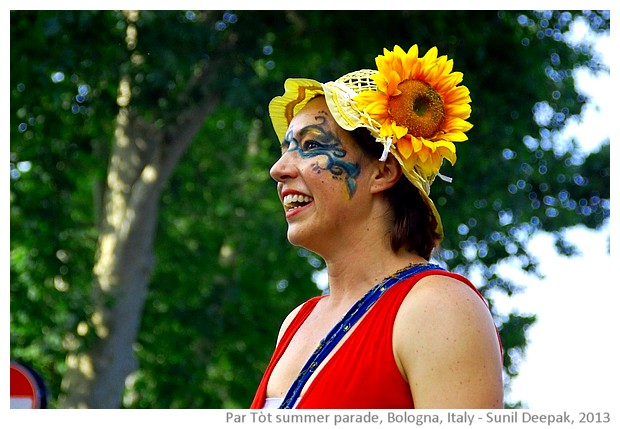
291,199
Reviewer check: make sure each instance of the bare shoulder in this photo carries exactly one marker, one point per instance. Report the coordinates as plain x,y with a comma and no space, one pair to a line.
442,302
446,346
438,291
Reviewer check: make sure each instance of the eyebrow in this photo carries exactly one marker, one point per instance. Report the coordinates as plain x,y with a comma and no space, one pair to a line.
316,129
290,136
310,130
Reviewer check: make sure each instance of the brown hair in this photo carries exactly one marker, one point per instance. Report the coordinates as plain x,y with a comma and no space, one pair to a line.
413,223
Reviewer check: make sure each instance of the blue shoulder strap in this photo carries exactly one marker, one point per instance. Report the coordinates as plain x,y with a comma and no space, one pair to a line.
330,341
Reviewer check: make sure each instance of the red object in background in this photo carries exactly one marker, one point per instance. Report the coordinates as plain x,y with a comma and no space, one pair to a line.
27,388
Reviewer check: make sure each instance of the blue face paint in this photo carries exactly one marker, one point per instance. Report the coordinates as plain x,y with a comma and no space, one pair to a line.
316,140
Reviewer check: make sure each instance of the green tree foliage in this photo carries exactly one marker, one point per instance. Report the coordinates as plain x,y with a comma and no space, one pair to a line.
223,275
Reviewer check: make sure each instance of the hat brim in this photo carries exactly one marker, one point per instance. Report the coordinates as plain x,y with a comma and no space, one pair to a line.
297,93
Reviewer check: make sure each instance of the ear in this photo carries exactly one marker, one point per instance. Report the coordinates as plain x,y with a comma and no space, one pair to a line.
386,174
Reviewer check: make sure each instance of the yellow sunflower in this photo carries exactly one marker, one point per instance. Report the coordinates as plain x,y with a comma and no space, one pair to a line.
419,106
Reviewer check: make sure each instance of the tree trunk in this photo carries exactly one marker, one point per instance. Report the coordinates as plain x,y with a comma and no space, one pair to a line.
142,160
95,378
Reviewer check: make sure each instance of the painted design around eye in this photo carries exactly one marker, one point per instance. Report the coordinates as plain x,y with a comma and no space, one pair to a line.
317,141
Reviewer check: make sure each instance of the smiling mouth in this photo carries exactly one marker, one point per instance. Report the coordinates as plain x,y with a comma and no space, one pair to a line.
294,201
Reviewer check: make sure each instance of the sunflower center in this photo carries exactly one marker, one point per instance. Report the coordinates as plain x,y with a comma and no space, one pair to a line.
419,108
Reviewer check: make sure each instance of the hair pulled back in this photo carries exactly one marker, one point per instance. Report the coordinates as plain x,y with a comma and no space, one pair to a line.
413,223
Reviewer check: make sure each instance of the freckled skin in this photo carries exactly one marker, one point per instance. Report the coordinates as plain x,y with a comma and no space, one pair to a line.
318,141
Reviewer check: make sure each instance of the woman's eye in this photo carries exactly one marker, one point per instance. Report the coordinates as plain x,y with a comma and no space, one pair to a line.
312,144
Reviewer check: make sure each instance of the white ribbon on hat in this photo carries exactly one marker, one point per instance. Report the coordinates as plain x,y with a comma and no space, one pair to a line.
386,149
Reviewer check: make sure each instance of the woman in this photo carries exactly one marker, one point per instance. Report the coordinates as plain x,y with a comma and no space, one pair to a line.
358,158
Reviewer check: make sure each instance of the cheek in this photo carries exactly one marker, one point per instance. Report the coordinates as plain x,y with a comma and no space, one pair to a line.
344,172
321,163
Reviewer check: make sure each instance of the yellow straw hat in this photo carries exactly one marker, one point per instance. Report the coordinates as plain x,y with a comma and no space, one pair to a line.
414,106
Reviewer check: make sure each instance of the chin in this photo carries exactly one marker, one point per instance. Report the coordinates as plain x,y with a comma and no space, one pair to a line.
294,238
300,238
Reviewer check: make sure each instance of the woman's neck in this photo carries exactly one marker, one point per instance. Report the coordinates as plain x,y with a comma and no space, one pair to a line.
363,256
353,272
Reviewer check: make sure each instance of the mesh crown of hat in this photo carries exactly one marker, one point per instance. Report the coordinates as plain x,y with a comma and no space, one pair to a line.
359,80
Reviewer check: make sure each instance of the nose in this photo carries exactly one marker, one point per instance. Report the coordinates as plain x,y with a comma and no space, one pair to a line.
283,168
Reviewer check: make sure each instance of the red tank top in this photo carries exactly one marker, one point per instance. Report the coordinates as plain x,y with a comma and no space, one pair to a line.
363,373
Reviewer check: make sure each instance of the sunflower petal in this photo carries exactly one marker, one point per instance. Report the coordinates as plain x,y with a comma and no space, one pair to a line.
383,66
447,82
457,124
377,108
437,70
405,147
416,143
367,97
459,110
431,55
447,154
399,131
410,62
386,129
393,81
455,136
399,51
458,95
445,145
423,154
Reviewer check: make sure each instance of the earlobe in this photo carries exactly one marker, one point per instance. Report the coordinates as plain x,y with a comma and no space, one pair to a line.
387,174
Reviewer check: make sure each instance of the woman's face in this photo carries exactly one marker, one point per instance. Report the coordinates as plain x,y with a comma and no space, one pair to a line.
321,178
